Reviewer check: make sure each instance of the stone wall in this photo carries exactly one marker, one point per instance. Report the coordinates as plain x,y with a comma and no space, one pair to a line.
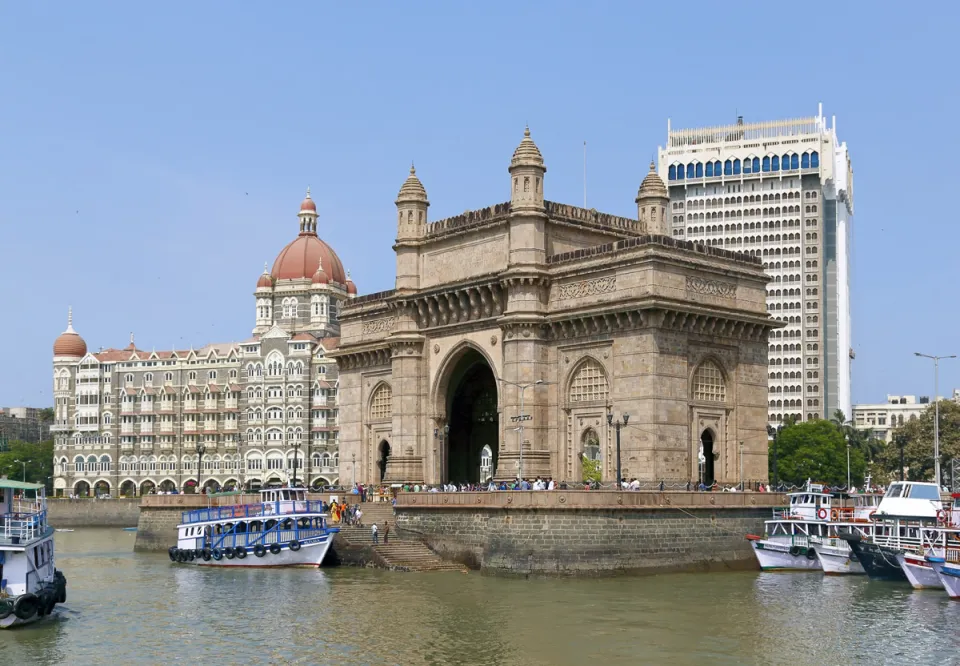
589,533
93,513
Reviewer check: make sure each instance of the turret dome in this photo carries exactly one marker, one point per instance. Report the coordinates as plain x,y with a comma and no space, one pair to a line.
69,343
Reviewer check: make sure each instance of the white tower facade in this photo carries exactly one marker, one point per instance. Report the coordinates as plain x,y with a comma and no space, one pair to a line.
783,191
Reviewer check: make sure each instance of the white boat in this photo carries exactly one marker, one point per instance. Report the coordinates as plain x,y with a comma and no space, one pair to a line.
919,572
284,529
30,585
803,537
949,574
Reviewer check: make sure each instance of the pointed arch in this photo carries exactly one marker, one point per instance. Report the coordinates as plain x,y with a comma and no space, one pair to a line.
587,382
709,382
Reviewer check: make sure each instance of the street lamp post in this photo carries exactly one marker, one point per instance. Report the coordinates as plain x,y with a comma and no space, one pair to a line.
296,459
774,434
353,458
618,424
201,449
848,463
24,463
741,465
936,422
521,417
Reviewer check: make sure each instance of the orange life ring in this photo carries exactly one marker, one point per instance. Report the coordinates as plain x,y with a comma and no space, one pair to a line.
834,515
872,514
941,516
822,514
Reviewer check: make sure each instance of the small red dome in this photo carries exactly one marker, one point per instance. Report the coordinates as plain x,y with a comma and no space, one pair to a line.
265,281
302,257
320,277
351,287
69,344
308,204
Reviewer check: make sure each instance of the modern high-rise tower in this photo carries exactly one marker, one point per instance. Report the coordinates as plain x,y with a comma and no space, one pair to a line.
781,190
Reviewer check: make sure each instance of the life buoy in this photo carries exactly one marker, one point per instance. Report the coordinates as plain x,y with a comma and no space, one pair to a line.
811,554
834,515
26,606
259,550
240,552
275,548
172,553
872,514
294,545
822,514
228,553
794,550
217,554
205,554
941,516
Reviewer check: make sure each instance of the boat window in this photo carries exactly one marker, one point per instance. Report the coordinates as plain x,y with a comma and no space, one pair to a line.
926,492
894,490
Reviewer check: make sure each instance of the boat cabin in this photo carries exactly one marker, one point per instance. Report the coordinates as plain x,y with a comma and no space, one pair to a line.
23,512
911,499
810,505
865,505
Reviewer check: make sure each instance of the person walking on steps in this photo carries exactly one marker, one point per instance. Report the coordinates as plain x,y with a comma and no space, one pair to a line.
374,531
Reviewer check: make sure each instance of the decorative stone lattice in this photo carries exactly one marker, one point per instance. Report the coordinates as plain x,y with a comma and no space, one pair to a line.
699,285
588,287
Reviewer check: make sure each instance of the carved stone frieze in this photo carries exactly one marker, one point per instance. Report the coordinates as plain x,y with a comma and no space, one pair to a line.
583,288
699,285
384,325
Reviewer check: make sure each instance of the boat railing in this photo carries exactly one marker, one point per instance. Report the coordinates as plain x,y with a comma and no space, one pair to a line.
262,510
23,527
801,540
248,539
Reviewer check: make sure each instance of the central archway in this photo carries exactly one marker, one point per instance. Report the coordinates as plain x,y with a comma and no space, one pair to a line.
384,451
706,441
473,441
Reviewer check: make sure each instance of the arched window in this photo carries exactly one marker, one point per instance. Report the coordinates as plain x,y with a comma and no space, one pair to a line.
805,161
736,167
589,383
775,163
728,168
690,171
814,159
78,464
794,161
708,383
672,172
699,173
679,172
381,404
766,164
104,463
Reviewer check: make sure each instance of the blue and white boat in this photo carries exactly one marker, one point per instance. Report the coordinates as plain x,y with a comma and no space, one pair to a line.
30,585
284,529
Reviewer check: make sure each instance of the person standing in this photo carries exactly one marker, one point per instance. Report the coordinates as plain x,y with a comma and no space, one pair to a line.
386,533
374,531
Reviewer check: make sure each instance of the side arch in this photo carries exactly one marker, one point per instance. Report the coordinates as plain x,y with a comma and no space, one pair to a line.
441,384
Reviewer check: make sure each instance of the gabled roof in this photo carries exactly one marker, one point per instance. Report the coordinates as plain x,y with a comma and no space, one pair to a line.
330,343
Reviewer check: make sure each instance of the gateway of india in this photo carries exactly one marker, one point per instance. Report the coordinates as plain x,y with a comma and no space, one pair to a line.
519,335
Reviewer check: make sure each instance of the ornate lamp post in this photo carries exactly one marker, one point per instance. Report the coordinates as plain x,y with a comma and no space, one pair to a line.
522,417
201,449
618,425
441,434
774,433
936,402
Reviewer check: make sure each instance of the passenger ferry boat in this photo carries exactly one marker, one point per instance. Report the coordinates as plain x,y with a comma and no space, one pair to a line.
804,536
909,519
284,529
30,585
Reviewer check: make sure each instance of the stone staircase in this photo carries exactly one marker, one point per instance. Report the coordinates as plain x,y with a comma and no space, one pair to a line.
402,553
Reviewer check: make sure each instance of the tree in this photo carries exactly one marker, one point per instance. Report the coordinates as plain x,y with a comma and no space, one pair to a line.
38,469
46,415
917,436
816,450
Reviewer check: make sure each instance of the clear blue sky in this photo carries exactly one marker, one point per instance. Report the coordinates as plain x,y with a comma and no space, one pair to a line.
152,158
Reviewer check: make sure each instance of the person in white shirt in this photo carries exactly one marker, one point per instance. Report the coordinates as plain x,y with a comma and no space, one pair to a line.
551,485
634,485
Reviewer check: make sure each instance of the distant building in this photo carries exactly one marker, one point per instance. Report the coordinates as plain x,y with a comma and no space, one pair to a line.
882,418
23,424
262,411
780,191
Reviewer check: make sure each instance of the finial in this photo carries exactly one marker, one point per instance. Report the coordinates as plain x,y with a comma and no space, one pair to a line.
69,316
652,166
526,131
348,273
308,191
131,337
320,264
265,271
413,170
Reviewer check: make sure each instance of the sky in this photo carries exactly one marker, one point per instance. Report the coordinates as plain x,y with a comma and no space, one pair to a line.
153,157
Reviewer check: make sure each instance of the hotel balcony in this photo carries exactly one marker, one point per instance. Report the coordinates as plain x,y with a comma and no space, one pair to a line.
126,446
166,446
126,429
166,427
127,408
210,426
230,424
146,429
231,404
146,408
230,445
210,405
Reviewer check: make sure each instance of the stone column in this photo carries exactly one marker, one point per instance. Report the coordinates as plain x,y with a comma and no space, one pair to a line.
406,461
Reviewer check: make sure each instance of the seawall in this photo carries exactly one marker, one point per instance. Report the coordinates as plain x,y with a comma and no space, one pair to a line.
588,532
93,513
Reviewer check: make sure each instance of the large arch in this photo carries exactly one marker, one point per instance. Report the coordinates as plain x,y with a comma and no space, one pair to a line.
81,489
707,441
471,409
128,488
383,457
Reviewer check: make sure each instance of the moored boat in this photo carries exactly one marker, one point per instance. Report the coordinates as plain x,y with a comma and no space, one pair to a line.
949,574
919,572
284,529
30,584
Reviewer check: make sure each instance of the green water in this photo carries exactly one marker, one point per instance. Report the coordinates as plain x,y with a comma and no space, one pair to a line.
126,608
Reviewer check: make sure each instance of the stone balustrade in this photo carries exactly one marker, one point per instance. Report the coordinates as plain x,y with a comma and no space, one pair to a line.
589,499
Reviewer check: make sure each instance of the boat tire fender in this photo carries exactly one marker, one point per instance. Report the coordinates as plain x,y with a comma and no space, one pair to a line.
275,548
259,550
294,545
240,552
228,553
217,554
172,553
206,555
26,606
811,554
181,556
794,550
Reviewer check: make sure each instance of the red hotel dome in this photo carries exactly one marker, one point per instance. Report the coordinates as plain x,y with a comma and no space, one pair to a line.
69,343
301,258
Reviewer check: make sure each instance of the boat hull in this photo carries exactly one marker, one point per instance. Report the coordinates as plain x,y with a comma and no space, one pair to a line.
774,556
921,575
310,555
839,562
949,575
879,562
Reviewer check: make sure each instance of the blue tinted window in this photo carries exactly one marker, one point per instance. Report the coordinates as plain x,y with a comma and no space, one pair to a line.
679,172
736,167
727,168
775,163
689,171
805,161
746,166
709,169
766,164
814,159
794,161
756,165
672,173
699,170
785,161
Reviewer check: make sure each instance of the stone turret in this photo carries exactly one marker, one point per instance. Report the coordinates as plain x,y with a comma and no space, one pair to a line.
412,207
526,175
652,202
